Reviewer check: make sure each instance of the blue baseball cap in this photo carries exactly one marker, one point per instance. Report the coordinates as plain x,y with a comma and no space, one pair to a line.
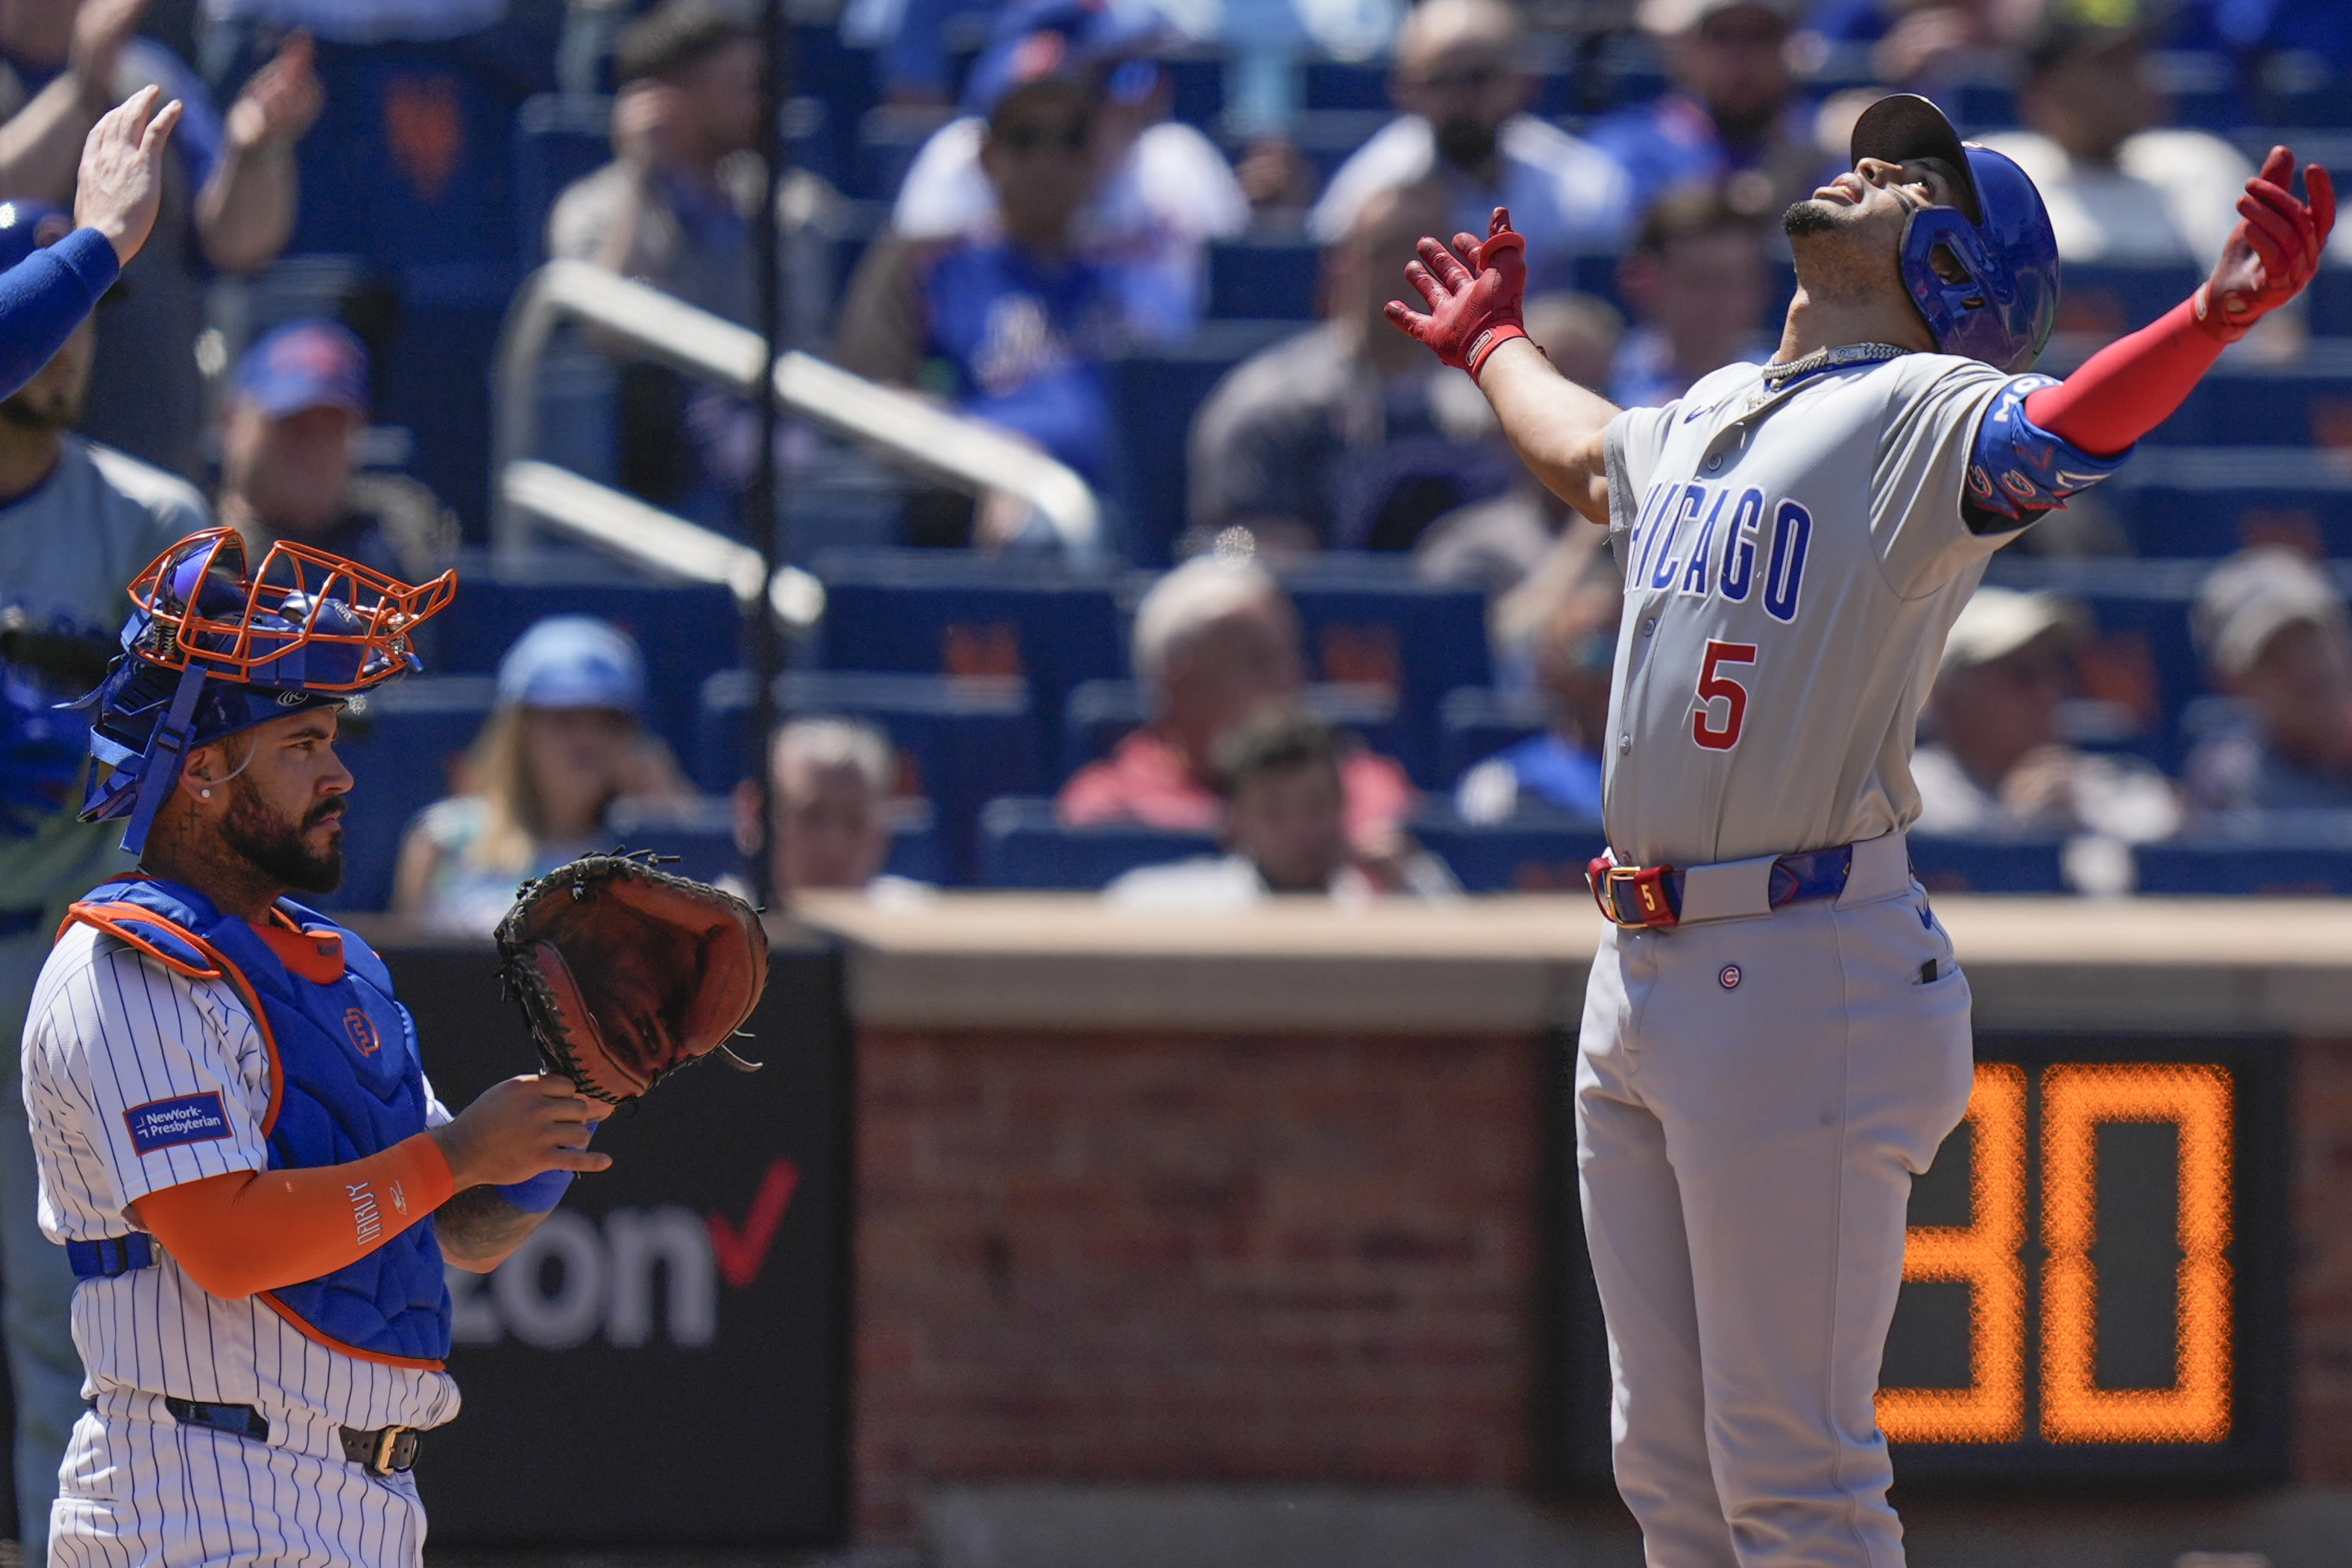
1065,40
574,661
304,365
29,226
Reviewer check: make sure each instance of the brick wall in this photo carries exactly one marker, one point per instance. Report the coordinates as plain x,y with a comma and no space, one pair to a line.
1145,1257
2320,1197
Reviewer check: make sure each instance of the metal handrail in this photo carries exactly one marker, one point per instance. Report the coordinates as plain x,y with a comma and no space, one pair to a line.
648,536
919,435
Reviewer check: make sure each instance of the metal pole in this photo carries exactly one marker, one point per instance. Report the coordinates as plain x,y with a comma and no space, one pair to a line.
766,519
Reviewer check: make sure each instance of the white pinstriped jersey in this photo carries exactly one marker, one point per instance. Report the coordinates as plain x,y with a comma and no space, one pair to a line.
138,1078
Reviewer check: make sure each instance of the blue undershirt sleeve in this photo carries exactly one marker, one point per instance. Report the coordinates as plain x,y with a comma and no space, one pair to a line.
2018,471
45,296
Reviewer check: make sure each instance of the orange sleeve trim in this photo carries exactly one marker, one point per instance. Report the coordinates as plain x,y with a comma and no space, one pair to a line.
247,1232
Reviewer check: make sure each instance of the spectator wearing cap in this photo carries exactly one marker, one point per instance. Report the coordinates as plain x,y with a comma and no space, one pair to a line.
1733,119
1284,829
78,522
2120,184
1695,281
289,430
564,743
1164,192
2271,628
1012,329
1461,78
1216,640
229,196
831,783
1997,763
1339,438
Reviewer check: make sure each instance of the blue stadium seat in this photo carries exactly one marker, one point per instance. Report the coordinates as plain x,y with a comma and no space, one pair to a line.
1100,714
2212,500
1155,396
1475,723
2331,293
1197,82
1532,852
928,613
1368,621
1265,280
702,836
1346,84
687,631
1023,845
558,137
2109,299
400,748
961,742
2304,865
1988,864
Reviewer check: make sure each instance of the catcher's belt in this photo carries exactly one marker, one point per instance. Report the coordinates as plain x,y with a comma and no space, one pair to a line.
1661,897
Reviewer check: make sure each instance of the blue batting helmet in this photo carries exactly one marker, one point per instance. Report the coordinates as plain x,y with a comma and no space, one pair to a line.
1984,274
211,650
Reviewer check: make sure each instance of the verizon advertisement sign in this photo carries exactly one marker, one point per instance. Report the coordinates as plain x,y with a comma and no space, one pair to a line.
665,1359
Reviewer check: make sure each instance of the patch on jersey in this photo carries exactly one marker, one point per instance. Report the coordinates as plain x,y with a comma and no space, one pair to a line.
166,1124
1729,978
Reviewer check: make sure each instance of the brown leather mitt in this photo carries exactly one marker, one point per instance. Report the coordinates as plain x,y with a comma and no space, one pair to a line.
625,973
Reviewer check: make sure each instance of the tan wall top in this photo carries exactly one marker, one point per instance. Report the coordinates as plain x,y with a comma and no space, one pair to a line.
1066,961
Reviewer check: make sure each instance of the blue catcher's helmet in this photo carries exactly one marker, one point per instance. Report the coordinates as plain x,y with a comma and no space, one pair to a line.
1984,274
212,649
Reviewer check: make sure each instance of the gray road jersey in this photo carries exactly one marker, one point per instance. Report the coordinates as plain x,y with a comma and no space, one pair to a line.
1792,565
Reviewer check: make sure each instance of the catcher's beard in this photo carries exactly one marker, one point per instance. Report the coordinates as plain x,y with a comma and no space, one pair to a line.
274,847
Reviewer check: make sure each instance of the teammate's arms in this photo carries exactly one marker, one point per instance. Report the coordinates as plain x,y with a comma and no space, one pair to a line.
1475,324
2133,385
258,1230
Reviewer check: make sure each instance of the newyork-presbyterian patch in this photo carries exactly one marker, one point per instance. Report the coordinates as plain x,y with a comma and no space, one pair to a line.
164,1123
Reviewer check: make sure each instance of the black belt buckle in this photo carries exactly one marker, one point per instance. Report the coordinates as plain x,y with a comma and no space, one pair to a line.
236,1420
385,1451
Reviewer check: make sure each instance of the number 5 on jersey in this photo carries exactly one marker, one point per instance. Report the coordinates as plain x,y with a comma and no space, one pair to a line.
1714,685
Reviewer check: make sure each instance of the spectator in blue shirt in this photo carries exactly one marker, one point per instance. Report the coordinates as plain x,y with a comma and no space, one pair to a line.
1012,329
1733,117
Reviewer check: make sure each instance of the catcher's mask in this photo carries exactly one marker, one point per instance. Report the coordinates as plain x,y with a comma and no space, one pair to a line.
212,649
1984,274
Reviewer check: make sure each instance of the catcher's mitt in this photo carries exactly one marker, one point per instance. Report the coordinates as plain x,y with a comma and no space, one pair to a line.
626,974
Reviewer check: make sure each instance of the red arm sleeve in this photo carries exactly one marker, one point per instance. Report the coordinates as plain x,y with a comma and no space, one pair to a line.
2129,387
255,1230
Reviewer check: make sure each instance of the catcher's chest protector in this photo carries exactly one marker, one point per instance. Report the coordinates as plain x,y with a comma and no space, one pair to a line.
347,1083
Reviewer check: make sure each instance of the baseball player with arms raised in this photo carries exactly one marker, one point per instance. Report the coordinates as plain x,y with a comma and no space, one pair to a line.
236,1142
1776,1036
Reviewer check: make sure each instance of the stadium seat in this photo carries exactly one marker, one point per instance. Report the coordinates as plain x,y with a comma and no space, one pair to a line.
961,742
1532,852
702,836
1265,280
1100,714
2106,300
2307,864
1345,84
1023,845
928,613
1155,396
2212,500
1368,621
687,630
400,746
1475,723
558,137
1989,864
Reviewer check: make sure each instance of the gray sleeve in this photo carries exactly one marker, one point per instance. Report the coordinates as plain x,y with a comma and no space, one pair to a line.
1916,521
1630,445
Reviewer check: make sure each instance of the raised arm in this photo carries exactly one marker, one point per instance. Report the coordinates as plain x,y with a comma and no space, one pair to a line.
1475,325
2133,385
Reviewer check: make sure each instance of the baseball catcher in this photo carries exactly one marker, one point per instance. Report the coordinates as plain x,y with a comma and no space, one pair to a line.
237,1144
1776,1033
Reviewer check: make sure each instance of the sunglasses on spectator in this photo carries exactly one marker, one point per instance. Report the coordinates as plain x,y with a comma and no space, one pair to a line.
1023,139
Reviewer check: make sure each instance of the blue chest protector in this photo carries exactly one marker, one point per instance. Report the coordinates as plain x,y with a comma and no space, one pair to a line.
346,1083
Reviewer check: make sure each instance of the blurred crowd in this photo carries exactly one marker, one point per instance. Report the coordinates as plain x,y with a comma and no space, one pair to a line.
1007,206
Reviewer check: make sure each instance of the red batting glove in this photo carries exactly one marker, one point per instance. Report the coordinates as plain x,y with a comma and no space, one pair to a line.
1473,310
2273,253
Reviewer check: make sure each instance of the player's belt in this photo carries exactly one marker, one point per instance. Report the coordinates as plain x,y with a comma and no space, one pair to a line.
110,1256
380,1451
1660,897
